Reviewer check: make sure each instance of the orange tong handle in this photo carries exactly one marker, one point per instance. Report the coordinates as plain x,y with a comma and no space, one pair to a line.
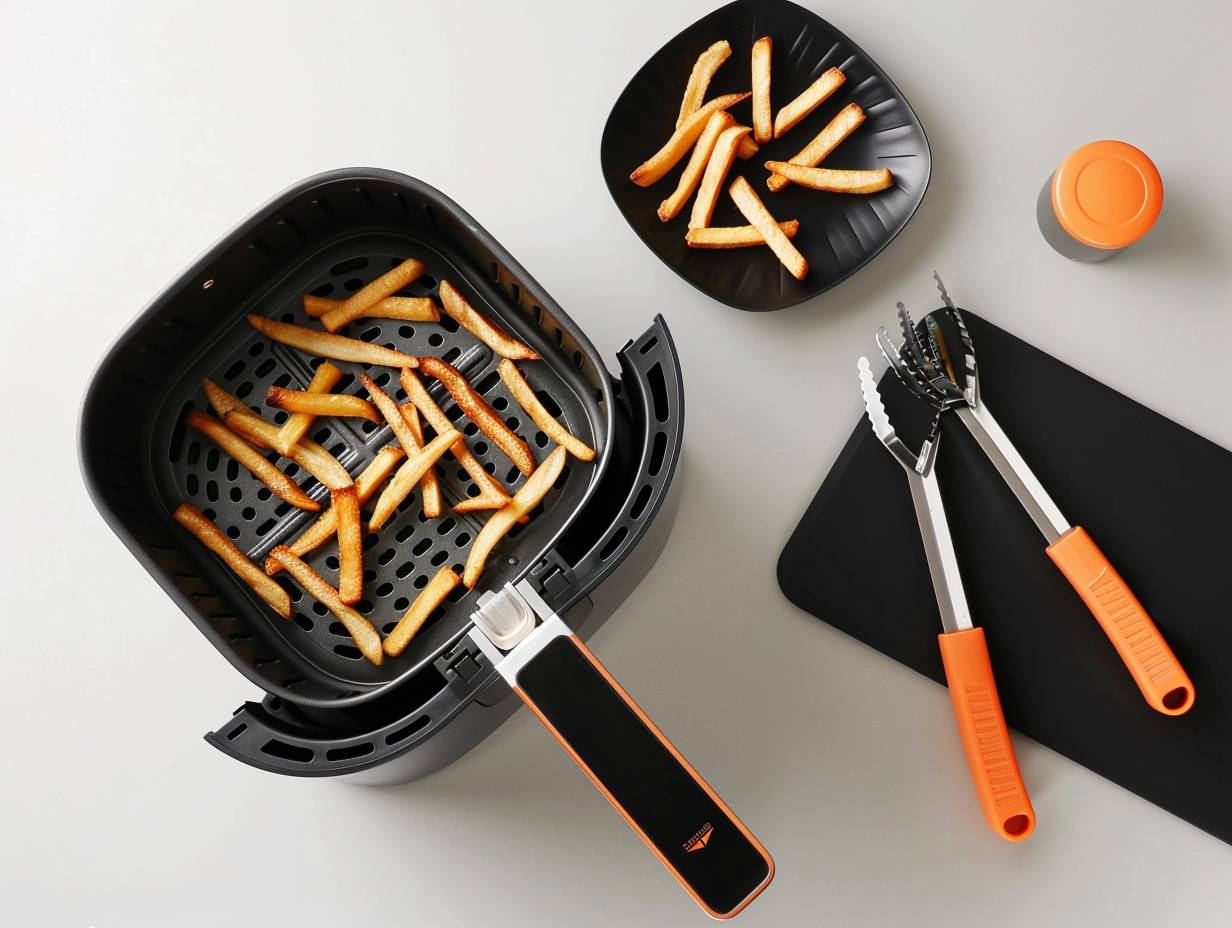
1155,668
985,738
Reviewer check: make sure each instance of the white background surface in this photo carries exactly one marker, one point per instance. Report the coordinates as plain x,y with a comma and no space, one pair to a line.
132,137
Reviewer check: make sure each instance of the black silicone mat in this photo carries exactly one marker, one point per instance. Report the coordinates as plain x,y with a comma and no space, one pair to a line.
1156,498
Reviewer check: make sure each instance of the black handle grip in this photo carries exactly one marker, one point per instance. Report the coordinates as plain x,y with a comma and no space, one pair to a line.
690,829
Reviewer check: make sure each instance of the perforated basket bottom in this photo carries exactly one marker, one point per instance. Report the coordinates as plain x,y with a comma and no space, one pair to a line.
402,557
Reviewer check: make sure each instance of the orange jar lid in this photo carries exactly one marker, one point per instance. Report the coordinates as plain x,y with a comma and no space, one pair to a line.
1107,194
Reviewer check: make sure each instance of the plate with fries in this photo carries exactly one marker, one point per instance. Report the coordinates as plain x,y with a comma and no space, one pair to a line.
763,156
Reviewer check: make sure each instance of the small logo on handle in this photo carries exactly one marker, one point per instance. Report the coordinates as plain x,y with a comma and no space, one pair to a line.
700,839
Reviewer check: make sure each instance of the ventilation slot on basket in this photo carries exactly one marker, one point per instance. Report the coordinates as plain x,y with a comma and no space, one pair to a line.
291,752
394,737
350,753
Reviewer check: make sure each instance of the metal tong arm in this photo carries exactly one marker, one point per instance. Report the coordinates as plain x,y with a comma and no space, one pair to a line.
939,549
1014,470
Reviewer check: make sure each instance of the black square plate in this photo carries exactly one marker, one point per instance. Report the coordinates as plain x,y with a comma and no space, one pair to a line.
839,233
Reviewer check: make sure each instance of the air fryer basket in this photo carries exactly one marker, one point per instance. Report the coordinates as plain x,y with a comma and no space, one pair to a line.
330,235
327,235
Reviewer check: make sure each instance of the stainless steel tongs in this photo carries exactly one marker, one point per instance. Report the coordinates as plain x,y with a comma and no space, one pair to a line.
936,361
964,652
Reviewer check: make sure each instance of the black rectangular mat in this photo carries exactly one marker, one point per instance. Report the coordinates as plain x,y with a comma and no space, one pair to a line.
1154,496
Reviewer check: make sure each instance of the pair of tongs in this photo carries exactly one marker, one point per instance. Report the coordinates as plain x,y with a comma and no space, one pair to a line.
927,362
964,652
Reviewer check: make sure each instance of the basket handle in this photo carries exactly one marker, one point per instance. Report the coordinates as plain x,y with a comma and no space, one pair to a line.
681,819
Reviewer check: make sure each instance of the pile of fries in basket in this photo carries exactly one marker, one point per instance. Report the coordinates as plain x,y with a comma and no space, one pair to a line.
717,139
248,437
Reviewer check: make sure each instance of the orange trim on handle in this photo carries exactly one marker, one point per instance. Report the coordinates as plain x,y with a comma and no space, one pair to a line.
680,759
1146,654
985,737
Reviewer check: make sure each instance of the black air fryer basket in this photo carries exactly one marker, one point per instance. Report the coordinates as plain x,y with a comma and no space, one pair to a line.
327,711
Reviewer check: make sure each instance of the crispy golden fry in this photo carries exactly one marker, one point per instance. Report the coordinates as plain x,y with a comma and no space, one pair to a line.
832,180
209,535
307,454
716,171
359,302
692,174
747,148
482,327
220,400
763,128
327,345
278,482
735,236
471,402
699,79
527,498
350,545
340,405
410,436
492,494
749,203
681,141
429,485
526,398
326,525
366,637
818,92
849,118
405,308
296,427
409,474
424,605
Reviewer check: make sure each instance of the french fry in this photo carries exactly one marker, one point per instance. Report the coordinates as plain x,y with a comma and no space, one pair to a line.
482,327
324,379
492,494
424,605
471,402
685,187
818,92
345,506
326,524
716,171
832,180
763,128
307,454
209,535
735,236
747,148
363,299
681,141
849,118
328,345
392,414
526,398
365,635
699,79
220,400
409,474
527,498
405,308
226,439
429,485
749,203
339,405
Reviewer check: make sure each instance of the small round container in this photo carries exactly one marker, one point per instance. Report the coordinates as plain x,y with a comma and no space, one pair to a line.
1099,201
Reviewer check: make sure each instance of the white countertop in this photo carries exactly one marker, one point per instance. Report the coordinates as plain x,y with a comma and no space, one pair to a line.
135,135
